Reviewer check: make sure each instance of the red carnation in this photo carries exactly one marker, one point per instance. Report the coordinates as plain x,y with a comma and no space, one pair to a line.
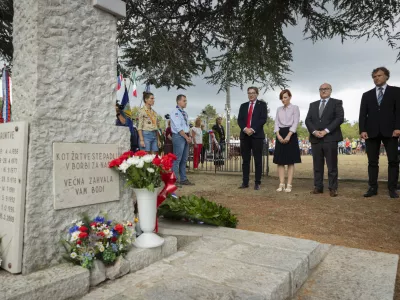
83,235
157,161
113,239
112,163
141,153
129,153
101,233
119,228
172,156
78,242
93,224
167,165
83,228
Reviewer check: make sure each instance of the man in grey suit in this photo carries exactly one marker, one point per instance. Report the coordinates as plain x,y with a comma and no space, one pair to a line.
323,122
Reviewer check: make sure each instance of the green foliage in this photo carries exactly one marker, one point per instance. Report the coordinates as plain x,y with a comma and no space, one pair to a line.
197,209
349,130
240,41
209,112
236,41
6,29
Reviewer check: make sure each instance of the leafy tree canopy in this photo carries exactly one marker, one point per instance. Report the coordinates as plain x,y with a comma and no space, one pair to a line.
236,41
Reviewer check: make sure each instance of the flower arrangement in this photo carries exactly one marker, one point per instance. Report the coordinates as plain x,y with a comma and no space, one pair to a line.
143,170
98,238
197,209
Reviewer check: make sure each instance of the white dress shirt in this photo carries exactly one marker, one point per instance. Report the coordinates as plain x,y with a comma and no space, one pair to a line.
326,103
383,90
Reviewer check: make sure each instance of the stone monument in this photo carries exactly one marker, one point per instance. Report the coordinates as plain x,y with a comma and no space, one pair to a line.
64,75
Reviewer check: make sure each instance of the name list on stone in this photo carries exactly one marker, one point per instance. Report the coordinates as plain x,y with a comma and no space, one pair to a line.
13,158
8,181
82,176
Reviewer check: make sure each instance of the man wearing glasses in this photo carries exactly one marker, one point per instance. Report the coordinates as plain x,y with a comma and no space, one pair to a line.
251,119
323,122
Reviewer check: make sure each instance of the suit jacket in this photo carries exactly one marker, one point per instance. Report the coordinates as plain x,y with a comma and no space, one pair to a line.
258,119
383,119
331,119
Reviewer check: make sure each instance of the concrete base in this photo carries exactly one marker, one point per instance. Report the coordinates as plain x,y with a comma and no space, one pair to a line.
148,240
223,263
67,281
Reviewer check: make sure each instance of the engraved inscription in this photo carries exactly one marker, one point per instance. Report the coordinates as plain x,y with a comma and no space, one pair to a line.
13,157
82,176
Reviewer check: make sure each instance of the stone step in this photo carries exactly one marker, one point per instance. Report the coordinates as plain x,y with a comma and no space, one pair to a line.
220,263
66,281
352,274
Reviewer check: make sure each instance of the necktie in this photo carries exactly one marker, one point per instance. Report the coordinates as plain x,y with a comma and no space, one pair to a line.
249,114
380,95
322,107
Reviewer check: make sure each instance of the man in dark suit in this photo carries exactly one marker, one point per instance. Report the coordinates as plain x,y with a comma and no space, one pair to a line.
380,122
251,119
323,122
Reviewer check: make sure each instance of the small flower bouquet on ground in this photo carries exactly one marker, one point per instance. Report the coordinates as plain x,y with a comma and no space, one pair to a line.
98,238
143,170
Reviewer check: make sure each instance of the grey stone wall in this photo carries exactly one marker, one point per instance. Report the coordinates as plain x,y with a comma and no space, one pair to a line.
63,84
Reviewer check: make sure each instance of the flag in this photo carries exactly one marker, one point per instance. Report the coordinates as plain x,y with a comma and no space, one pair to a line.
147,90
125,98
119,81
134,88
5,113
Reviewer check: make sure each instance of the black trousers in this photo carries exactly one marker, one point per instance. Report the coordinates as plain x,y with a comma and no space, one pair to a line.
325,151
202,154
373,149
249,145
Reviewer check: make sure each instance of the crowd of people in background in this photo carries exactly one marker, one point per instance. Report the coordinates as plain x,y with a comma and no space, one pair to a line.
324,144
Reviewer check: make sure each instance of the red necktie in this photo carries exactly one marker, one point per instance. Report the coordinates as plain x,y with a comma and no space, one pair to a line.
249,114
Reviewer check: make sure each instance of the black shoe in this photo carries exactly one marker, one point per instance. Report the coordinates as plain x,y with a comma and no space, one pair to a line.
371,192
257,186
317,191
393,194
243,186
186,182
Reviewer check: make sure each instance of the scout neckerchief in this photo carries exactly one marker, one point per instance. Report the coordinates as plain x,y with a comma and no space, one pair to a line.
151,116
183,114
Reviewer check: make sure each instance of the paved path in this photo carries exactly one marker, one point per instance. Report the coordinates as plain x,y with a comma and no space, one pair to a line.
223,263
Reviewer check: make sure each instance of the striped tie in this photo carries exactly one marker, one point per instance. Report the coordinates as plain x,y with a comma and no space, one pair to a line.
380,95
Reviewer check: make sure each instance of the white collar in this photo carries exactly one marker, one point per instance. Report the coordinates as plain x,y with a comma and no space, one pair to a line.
327,99
383,87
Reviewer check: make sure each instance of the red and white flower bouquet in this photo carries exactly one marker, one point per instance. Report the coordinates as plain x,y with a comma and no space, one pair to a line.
143,170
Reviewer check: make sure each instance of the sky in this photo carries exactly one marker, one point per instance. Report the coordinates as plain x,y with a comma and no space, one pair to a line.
347,67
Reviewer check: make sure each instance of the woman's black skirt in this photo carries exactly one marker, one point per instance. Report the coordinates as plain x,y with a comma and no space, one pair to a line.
287,154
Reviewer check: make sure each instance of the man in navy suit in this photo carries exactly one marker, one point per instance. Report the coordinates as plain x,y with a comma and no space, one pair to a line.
323,122
251,119
380,122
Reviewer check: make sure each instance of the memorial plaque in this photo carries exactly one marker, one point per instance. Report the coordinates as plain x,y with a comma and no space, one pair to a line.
81,175
13,157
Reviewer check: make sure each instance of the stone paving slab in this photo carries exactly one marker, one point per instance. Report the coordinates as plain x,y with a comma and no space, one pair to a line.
272,283
352,274
315,250
49,284
197,276
296,263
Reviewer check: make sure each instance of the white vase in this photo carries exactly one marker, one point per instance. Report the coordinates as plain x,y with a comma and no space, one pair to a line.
147,206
